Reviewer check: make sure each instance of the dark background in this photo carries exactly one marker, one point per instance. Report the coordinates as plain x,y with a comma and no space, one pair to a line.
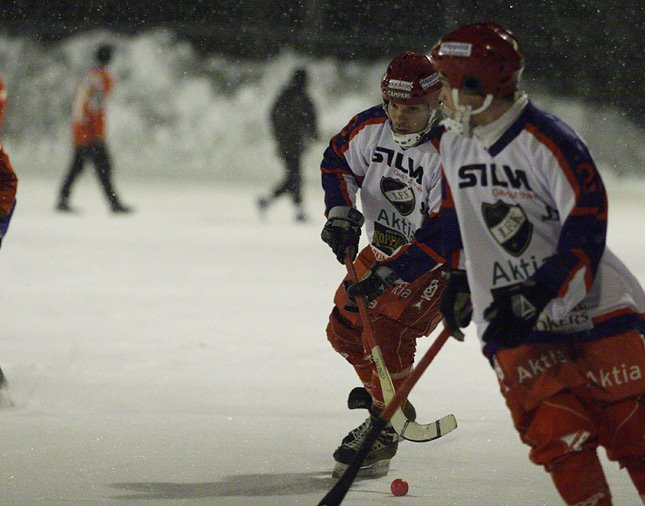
591,49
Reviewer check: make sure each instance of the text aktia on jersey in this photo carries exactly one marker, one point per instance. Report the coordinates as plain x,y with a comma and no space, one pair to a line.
513,271
532,367
616,376
393,220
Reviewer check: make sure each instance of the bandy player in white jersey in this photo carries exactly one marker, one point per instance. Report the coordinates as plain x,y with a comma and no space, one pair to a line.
388,156
559,316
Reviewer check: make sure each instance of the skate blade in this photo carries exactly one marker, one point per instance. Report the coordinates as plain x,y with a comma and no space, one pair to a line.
374,470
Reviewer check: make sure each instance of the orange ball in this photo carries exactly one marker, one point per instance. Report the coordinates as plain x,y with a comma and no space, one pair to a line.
399,487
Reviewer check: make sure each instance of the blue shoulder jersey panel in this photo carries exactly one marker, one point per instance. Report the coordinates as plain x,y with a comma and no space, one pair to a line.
582,239
334,166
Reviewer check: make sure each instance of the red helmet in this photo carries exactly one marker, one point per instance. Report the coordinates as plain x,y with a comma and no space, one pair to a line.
483,57
410,79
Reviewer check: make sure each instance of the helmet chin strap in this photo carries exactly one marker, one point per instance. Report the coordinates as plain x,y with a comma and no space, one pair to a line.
459,119
410,140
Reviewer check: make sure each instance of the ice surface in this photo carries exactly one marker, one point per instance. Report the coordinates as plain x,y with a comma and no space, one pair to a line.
178,356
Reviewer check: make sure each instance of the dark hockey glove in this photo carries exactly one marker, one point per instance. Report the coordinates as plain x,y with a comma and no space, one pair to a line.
343,231
375,281
456,306
514,311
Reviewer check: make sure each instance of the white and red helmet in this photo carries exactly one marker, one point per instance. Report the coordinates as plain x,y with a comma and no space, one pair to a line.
482,58
410,79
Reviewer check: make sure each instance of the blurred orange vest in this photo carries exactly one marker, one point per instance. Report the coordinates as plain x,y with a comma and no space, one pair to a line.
88,113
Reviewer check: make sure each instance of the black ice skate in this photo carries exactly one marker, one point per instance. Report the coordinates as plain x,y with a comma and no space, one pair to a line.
377,462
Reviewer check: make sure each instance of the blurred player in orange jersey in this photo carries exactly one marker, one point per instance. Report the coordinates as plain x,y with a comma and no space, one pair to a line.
8,187
88,132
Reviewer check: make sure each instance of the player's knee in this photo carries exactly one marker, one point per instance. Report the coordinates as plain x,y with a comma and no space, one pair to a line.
344,338
559,427
564,440
398,343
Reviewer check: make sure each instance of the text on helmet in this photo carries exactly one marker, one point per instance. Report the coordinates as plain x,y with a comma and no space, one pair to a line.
397,84
428,82
455,49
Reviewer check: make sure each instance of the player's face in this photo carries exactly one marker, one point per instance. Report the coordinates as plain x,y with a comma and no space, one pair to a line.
408,119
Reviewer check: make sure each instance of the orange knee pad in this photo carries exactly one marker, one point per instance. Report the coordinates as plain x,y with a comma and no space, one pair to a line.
559,426
396,340
563,438
345,339
397,343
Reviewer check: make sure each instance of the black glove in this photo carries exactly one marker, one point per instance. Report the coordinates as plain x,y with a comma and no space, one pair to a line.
456,307
375,281
343,231
514,311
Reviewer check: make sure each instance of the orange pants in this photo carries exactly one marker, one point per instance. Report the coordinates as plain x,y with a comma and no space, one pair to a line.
403,313
566,400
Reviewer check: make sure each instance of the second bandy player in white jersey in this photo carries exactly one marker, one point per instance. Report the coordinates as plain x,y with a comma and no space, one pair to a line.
559,315
388,156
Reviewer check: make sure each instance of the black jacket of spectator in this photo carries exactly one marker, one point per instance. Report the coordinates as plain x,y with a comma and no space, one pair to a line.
293,116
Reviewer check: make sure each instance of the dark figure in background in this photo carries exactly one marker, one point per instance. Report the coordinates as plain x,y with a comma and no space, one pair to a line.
294,123
88,132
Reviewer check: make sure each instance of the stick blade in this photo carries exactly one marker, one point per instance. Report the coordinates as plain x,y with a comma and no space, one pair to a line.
427,432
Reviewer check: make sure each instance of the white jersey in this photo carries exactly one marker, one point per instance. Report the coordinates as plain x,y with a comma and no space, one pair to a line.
398,187
530,203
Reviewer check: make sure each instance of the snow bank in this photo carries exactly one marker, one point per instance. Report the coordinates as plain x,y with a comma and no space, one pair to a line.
178,114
